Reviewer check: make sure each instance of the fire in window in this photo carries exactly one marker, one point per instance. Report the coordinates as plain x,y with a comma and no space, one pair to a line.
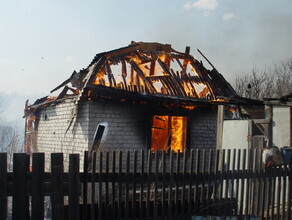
168,132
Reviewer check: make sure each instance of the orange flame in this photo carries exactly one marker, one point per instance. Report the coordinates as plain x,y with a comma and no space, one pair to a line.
168,132
178,134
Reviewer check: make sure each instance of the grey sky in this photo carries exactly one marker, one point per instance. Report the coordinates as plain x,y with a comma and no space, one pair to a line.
43,42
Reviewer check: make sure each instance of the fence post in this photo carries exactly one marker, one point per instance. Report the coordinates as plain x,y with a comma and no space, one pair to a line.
92,211
85,185
141,184
289,191
57,196
20,200
148,183
37,189
3,186
74,186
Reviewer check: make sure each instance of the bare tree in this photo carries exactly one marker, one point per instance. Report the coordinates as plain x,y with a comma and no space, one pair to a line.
9,136
261,84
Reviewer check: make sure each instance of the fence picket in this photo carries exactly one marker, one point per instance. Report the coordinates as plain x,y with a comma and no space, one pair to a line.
37,191
57,196
3,186
253,182
169,210
191,170
278,193
127,185
269,193
113,191
92,205
176,184
263,192
216,175
197,170
227,207
141,184
247,191
134,212
259,180
273,193
209,181
163,184
289,191
242,201
220,200
85,185
183,210
107,205
202,182
120,186
284,192
155,200
149,164
99,199
238,158
74,186
20,205
232,184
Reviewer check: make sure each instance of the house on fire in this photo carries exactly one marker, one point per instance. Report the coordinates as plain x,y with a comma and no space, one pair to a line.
143,96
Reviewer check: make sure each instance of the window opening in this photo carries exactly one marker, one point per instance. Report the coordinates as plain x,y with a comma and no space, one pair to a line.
168,132
98,136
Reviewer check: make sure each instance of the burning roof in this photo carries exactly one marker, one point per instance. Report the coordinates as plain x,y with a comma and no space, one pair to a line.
145,70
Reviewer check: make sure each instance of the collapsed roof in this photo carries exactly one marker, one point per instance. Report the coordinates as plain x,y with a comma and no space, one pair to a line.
145,71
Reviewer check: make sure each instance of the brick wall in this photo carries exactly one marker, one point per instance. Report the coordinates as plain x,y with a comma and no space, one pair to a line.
203,128
52,126
126,125
127,128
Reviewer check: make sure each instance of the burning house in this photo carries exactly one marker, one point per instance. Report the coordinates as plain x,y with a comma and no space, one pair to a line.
143,96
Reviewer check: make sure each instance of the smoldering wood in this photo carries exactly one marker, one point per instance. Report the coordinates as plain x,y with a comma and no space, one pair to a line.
141,74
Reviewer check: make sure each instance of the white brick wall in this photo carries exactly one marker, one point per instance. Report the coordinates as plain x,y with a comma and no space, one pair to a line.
127,125
53,123
128,128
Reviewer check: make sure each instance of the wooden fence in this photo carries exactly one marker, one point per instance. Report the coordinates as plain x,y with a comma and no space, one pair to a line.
146,185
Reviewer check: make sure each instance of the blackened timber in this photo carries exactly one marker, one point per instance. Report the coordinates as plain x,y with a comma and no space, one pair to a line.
170,90
109,73
124,68
186,83
124,74
138,83
178,81
152,68
164,67
61,85
179,63
105,93
176,86
218,75
98,65
206,79
141,74
88,80
193,88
